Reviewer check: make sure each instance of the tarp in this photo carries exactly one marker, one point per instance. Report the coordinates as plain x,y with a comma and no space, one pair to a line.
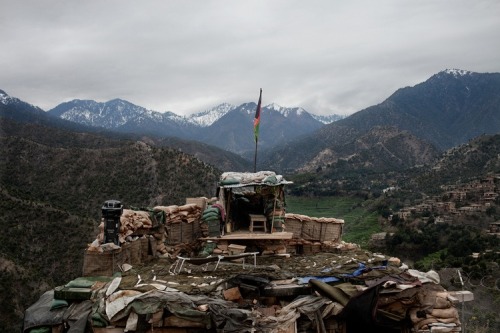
225,315
385,305
40,314
254,184
242,179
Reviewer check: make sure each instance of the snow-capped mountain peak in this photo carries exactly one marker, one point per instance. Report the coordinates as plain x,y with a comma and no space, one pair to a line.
4,98
274,106
208,117
285,111
328,119
457,72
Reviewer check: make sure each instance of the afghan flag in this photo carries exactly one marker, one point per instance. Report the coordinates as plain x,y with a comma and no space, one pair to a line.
256,121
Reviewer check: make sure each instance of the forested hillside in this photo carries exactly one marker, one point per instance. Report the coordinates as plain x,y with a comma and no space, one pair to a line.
52,186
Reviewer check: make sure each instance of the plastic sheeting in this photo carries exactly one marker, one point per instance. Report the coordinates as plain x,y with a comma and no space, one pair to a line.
241,179
40,314
226,315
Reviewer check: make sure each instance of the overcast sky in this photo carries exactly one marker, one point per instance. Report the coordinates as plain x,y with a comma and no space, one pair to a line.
327,56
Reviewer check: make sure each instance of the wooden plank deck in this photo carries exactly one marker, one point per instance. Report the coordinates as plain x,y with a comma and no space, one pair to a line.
252,235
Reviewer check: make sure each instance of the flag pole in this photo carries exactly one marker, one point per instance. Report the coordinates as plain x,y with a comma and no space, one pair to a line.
256,124
255,158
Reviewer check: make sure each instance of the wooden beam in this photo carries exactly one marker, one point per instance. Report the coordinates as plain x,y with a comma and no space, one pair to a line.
251,236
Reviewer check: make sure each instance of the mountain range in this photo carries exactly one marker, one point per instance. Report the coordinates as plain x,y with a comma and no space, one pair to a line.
448,109
225,126
409,128
19,111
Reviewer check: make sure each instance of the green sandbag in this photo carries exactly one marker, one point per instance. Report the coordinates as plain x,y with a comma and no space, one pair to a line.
270,180
208,249
211,209
58,303
98,320
213,218
209,215
86,282
229,181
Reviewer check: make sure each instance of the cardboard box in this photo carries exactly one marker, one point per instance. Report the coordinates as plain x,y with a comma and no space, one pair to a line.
200,202
236,249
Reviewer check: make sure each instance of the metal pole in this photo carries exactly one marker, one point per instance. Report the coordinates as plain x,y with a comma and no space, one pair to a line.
463,301
255,157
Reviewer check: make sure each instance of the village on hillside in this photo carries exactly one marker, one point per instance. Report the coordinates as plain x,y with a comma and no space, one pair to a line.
457,204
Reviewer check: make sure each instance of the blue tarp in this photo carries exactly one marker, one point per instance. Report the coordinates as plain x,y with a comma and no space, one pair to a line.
362,268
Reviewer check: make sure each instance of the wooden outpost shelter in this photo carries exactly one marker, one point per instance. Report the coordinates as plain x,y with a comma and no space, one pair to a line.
252,201
255,212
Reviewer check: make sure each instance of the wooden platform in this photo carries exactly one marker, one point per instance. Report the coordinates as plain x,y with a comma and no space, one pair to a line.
253,235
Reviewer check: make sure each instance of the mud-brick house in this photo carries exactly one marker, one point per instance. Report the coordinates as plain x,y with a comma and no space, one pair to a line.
494,228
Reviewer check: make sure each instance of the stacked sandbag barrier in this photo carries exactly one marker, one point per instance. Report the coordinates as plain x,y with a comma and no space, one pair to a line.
133,223
442,317
316,234
314,228
139,232
182,223
212,218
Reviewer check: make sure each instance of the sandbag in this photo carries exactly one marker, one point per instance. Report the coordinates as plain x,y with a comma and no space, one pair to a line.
213,218
210,215
211,210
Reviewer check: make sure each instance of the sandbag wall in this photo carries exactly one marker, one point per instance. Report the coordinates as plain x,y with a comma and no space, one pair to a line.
133,224
443,314
139,233
318,229
211,221
104,263
182,223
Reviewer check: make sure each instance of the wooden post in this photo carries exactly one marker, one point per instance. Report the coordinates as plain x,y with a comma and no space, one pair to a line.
274,208
228,210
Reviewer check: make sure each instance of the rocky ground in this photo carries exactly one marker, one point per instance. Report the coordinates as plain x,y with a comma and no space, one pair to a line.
276,269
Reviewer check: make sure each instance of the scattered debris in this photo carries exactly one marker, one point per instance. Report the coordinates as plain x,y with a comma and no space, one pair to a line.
203,267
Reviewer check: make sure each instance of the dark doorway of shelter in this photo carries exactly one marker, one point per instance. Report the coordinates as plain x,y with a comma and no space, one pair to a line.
241,207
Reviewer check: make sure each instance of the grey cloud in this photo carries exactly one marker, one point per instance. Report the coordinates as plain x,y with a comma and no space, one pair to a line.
187,56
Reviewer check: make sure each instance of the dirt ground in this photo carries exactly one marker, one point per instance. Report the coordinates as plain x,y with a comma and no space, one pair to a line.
276,269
